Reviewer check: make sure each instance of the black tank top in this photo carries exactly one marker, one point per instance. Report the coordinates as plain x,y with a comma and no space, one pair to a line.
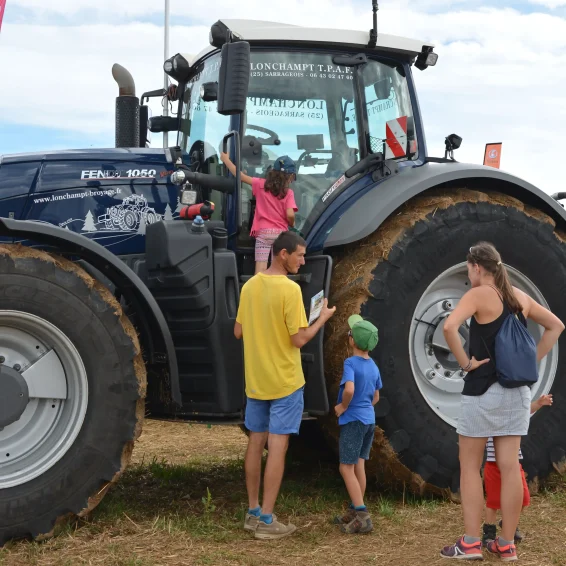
482,346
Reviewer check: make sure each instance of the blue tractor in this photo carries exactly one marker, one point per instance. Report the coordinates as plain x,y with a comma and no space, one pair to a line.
102,322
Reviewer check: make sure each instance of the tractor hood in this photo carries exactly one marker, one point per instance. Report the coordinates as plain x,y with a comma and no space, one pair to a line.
51,171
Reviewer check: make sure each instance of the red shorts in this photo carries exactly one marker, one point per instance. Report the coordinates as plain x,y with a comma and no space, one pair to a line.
492,481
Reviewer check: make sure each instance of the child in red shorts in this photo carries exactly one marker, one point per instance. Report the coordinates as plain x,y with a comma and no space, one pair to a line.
492,482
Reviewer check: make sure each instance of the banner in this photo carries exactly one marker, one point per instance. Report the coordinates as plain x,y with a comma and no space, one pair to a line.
2,7
492,155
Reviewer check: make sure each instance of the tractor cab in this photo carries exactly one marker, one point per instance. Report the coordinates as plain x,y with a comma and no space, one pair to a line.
340,106
326,104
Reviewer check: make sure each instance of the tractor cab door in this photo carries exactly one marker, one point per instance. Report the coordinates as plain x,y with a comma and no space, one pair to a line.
313,278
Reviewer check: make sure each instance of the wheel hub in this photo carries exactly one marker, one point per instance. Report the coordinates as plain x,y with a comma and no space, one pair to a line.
439,365
14,396
35,434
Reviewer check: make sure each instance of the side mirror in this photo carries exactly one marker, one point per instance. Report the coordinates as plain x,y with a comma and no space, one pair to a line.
382,89
158,124
145,136
234,78
209,92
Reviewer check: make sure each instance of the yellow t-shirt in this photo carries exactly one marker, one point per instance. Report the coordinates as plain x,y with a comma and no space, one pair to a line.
271,311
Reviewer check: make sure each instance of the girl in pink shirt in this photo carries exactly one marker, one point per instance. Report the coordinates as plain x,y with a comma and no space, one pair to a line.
275,205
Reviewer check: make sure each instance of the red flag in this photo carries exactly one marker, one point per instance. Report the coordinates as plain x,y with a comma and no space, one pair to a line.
2,7
492,155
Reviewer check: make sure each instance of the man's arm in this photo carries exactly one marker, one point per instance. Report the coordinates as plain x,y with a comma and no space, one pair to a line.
375,397
238,331
307,334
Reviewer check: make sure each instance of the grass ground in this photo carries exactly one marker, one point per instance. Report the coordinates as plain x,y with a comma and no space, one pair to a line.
182,502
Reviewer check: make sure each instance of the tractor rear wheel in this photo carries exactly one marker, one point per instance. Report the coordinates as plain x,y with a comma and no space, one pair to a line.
72,396
406,277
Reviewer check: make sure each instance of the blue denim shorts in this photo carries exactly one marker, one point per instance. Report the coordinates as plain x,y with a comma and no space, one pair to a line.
278,416
356,439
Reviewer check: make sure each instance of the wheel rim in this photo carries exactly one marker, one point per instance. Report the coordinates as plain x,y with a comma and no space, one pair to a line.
130,220
435,369
58,396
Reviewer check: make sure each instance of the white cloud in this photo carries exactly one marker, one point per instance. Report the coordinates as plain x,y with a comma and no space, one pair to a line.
500,74
552,4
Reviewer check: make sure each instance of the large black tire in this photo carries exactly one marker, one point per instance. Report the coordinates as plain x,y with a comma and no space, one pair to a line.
383,278
61,293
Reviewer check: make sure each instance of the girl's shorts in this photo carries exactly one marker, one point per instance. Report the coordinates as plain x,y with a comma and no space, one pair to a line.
264,243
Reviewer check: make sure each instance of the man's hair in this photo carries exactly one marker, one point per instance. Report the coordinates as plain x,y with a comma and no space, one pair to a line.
288,241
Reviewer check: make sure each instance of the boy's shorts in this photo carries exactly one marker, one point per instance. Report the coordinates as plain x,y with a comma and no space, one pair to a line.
356,439
492,481
277,416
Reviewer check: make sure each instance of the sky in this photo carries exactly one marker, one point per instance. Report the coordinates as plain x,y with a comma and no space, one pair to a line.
500,76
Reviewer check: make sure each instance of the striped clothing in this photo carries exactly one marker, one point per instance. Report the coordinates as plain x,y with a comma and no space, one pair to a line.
490,447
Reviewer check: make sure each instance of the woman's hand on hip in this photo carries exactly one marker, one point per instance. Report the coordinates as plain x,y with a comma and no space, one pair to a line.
477,363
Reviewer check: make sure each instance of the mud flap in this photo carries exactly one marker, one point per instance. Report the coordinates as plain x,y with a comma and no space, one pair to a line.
314,277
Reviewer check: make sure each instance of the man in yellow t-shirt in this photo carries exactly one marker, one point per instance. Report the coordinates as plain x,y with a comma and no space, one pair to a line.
272,321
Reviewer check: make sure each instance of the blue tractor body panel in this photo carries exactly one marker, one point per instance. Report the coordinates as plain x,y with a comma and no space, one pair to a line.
106,195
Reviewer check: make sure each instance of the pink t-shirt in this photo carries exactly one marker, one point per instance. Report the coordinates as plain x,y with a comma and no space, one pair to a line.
270,211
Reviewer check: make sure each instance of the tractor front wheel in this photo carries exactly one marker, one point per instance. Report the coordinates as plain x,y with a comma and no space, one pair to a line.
72,395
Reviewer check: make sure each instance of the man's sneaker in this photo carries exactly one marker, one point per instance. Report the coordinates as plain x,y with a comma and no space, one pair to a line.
346,518
507,553
463,551
250,522
518,534
361,523
273,530
489,534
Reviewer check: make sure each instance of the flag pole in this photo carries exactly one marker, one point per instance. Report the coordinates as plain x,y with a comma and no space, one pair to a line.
166,79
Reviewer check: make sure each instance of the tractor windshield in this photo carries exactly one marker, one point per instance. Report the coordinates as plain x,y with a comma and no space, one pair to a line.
305,106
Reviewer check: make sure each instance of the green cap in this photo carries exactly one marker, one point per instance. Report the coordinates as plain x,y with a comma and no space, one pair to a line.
364,333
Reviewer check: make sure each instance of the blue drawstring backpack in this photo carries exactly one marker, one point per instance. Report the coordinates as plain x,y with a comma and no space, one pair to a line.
515,353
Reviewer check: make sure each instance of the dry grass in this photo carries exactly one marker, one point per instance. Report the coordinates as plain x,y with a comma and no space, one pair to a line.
160,513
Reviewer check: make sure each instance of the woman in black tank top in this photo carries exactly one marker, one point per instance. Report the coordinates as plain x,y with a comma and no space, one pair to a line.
487,408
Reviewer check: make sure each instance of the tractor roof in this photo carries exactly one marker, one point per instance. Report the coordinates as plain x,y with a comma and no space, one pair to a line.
261,32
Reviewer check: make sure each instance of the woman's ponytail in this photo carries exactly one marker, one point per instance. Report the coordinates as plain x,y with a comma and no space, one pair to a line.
488,257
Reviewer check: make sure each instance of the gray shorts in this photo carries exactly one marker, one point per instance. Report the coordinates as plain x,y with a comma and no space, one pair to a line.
355,441
498,412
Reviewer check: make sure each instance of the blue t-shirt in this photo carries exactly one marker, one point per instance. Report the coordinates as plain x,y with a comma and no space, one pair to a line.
365,375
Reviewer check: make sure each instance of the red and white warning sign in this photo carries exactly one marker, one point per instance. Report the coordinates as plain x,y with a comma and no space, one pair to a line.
396,138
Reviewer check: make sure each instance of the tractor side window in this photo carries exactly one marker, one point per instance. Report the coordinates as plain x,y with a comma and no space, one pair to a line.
202,128
388,106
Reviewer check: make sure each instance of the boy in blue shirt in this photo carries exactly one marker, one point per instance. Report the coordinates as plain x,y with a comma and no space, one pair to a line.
359,392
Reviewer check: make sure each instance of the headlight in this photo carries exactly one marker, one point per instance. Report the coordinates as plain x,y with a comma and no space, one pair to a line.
177,67
426,58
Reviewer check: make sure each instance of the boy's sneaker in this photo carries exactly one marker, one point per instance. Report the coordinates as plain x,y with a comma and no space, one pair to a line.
507,553
489,534
361,523
250,522
273,530
346,518
518,534
463,551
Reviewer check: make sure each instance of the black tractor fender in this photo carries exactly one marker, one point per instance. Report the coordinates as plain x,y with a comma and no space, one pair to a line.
155,334
367,214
